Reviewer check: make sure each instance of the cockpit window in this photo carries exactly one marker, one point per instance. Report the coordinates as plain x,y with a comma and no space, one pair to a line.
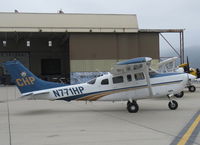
139,76
105,82
92,81
152,73
118,79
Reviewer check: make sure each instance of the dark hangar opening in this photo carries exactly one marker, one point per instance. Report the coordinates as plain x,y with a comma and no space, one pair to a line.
46,54
51,67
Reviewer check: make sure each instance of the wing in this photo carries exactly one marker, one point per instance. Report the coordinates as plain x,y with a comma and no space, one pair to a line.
131,65
168,65
141,64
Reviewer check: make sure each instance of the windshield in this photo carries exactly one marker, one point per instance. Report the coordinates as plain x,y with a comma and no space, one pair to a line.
152,72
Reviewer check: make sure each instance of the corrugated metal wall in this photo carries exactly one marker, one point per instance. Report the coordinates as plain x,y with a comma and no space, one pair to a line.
93,51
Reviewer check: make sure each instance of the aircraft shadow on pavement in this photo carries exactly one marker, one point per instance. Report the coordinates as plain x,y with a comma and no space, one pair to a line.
98,110
51,111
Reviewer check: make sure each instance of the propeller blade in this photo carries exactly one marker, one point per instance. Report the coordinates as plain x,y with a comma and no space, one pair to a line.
188,65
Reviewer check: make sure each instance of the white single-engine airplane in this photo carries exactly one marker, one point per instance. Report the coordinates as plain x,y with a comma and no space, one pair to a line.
129,81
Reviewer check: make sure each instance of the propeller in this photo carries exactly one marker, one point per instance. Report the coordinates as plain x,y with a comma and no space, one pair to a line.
187,67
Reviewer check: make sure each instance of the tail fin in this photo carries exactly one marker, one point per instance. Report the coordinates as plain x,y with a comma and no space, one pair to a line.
26,81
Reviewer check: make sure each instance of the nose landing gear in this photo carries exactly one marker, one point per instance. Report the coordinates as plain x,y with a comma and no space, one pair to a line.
173,105
192,88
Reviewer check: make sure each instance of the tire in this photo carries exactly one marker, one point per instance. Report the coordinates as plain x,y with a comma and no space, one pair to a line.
179,95
132,107
173,105
192,88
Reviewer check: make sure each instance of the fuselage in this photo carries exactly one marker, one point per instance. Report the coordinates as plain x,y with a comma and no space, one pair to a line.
129,80
127,86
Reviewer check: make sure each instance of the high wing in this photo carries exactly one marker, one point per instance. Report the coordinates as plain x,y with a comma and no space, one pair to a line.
168,65
131,65
140,64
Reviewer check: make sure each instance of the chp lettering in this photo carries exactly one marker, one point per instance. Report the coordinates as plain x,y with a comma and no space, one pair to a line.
25,81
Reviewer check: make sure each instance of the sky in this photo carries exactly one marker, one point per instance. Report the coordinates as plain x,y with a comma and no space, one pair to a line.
151,14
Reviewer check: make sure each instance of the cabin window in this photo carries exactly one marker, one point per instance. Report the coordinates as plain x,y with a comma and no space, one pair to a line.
92,81
129,78
139,76
105,82
118,79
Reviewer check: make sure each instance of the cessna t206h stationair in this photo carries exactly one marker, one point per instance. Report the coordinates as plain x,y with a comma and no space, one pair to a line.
128,80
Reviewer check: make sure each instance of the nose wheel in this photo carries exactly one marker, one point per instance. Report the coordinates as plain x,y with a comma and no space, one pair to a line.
132,107
173,105
192,88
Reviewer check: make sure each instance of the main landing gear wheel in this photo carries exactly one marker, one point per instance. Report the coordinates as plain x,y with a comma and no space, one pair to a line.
173,105
132,107
192,88
179,95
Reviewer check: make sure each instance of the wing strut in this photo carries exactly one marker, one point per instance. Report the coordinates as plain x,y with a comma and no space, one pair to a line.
146,72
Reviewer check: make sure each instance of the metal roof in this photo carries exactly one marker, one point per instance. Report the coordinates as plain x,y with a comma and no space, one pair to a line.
56,22
161,30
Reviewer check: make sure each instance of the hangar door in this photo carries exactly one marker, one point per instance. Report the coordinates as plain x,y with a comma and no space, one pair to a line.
92,52
23,57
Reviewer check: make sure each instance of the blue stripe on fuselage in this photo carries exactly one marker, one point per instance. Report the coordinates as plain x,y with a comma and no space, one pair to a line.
164,74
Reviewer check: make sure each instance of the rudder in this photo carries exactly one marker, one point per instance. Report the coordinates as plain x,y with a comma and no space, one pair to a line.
25,80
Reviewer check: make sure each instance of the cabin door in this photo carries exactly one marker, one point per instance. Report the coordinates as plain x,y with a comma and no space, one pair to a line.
141,89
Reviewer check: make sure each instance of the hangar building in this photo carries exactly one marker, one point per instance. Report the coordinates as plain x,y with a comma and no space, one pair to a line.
56,44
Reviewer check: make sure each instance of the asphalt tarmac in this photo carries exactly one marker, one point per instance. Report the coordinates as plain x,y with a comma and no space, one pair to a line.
31,122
